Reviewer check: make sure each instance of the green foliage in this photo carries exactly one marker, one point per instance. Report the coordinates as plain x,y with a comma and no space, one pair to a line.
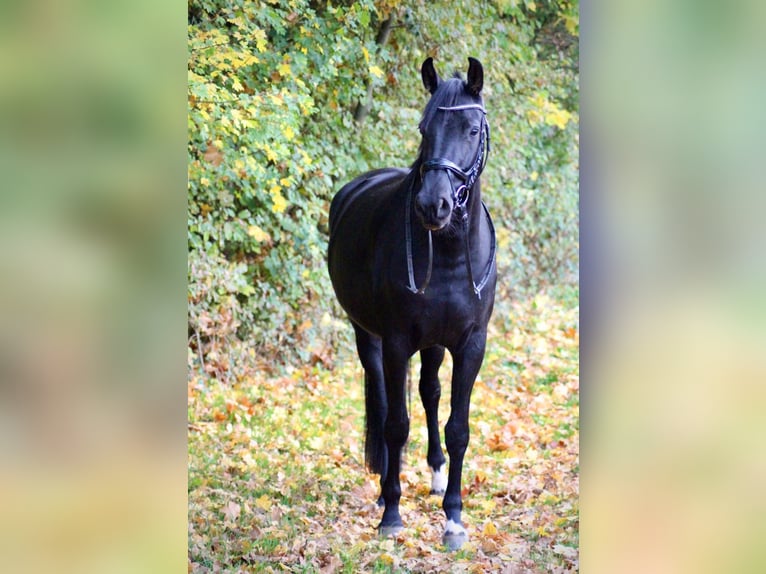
273,86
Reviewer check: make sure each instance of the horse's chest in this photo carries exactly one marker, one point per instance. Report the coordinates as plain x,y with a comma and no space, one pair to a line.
442,316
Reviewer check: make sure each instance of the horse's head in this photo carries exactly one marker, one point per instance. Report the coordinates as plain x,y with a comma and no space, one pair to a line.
455,144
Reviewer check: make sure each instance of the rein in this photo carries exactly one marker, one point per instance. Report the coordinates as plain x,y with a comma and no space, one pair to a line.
460,199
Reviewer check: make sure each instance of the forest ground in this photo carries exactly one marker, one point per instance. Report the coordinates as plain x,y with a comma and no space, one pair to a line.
277,481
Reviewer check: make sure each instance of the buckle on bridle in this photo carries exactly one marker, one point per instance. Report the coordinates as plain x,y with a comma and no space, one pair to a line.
461,196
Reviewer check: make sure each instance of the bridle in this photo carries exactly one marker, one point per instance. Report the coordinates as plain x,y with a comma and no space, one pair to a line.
460,196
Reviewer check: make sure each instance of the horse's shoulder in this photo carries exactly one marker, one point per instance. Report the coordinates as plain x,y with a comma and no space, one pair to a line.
380,180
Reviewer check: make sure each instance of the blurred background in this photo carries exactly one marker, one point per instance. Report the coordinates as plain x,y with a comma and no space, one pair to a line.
92,280
673,286
95,341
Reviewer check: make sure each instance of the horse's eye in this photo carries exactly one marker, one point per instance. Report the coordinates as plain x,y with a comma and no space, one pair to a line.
474,131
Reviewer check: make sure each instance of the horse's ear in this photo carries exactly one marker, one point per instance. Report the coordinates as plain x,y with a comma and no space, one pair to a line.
475,77
430,77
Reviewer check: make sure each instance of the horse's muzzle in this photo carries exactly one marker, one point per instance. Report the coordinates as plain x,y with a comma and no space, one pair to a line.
434,212
434,202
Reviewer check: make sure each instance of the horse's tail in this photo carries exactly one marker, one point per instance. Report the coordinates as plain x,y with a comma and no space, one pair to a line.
376,407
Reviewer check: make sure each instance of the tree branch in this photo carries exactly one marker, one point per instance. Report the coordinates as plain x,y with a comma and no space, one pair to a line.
363,107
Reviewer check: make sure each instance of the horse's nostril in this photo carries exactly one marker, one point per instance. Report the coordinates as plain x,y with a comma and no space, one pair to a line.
419,207
432,209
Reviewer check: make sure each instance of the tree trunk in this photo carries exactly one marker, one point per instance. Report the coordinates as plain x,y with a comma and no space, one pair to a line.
363,107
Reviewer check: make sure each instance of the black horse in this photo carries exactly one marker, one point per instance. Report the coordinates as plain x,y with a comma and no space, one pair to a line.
426,287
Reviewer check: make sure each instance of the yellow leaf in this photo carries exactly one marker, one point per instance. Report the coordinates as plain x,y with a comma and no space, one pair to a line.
289,133
571,24
489,529
263,502
387,559
270,153
533,176
376,71
539,100
557,117
366,54
258,234
284,69
260,39
280,203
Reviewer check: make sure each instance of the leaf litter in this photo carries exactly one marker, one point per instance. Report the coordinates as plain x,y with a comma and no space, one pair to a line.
277,480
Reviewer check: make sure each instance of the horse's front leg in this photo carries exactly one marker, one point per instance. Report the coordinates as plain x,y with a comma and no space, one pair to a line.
467,361
430,393
395,431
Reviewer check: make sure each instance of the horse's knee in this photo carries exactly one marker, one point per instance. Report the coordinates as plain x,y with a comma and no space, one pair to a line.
430,392
456,437
396,431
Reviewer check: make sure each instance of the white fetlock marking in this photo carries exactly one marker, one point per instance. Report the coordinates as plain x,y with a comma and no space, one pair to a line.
454,529
439,478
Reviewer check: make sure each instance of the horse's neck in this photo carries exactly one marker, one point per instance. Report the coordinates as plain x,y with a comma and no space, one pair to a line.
475,209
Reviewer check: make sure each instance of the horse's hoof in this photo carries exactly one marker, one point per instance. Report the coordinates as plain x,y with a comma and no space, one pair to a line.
454,535
391,531
454,541
435,492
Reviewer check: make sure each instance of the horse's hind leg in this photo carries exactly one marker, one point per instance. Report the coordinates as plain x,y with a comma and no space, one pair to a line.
430,392
370,353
